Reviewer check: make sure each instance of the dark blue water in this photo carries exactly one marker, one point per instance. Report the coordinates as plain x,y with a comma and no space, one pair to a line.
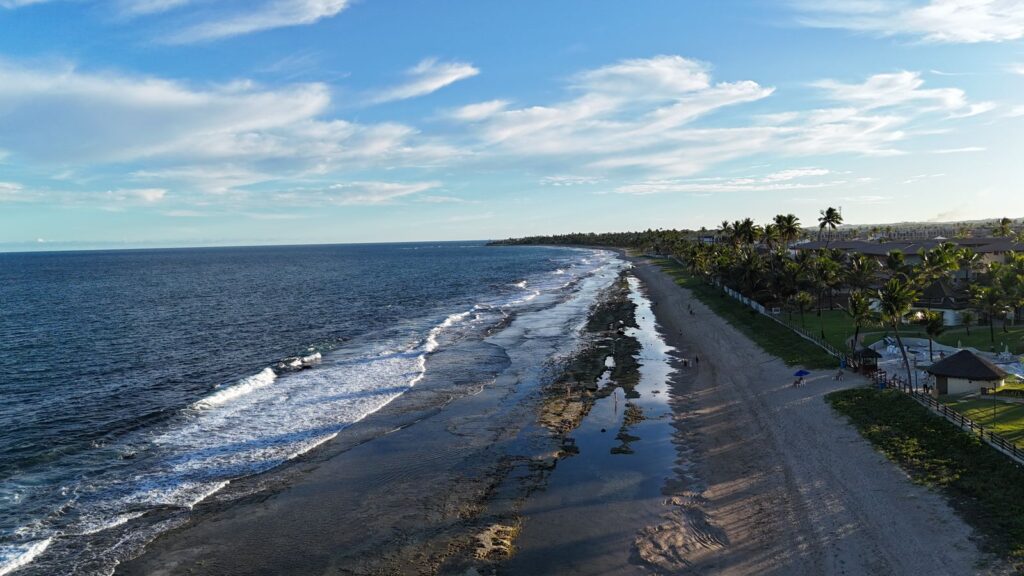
137,379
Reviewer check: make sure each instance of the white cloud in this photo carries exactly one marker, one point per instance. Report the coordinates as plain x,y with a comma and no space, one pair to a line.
783,180
479,111
248,18
944,21
19,3
367,193
900,89
132,8
9,192
568,180
213,138
653,122
427,77
962,150
144,195
634,106
660,77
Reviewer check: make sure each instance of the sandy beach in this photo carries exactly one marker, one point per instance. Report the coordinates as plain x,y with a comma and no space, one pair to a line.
741,474
780,483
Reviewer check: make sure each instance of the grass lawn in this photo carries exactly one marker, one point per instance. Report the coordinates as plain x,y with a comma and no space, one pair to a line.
978,338
985,487
1005,419
835,324
769,335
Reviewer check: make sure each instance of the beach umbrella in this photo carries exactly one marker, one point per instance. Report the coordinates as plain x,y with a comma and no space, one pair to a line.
801,373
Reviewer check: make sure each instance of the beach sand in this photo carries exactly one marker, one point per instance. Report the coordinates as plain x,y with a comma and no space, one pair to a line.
739,473
779,483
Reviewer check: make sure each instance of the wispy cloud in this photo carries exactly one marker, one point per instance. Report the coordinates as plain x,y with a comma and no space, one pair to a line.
9,191
962,150
367,193
568,180
942,21
428,76
248,18
213,138
479,111
900,89
133,8
783,180
19,3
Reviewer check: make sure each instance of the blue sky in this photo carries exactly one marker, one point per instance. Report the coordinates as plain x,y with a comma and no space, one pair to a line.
205,122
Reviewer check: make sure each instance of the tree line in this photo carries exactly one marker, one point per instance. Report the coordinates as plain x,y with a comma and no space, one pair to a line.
757,261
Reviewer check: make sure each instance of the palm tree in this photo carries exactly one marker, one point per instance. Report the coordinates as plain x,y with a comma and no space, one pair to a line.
934,326
826,275
896,262
990,301
770,235
788,226
859,310
895,299
1004,228
726,231
969,260
830,218
803,301
861,270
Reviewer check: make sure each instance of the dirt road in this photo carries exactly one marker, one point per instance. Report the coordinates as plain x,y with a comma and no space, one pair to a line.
777,483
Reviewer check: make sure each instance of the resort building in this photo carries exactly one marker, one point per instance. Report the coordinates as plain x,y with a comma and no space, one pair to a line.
965,373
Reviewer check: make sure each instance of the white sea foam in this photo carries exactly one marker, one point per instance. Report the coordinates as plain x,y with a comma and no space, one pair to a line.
101,524
559,272
245,386
520,284
263,420
20,555
431,342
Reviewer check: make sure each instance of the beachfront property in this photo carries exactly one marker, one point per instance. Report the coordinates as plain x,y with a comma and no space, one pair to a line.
965,373
948,296
990,250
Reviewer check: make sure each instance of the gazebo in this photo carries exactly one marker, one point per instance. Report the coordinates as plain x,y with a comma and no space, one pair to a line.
866,359
964,373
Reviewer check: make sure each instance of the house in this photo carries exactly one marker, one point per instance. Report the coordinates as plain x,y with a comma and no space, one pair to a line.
965,373
940,296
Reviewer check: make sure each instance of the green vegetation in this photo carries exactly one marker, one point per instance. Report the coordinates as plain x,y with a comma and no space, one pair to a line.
953,336
771,336
763,263
985,487
1005,419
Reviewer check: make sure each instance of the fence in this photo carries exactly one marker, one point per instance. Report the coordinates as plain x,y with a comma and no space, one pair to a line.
994,440
799,330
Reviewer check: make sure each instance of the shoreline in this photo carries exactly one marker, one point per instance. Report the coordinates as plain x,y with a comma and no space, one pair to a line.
445,462
765,478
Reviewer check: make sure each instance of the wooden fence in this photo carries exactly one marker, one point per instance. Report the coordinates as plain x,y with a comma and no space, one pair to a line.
799,330
986,435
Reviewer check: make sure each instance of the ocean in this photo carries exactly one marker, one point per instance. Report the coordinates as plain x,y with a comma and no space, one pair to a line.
134,384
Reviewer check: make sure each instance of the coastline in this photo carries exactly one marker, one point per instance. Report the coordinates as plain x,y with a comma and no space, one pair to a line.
410,490
764,479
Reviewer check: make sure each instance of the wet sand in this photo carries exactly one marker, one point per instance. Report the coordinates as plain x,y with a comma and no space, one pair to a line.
733,472
780,484
585,518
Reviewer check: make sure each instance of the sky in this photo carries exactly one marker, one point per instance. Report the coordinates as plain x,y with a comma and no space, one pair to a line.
138,123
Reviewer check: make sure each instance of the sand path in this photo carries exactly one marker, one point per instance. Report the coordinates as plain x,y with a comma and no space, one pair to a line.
777,483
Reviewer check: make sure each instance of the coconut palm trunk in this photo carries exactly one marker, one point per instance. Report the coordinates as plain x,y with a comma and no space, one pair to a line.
903,352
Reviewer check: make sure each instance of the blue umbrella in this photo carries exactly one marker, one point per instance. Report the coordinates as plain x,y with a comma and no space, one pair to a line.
801,373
